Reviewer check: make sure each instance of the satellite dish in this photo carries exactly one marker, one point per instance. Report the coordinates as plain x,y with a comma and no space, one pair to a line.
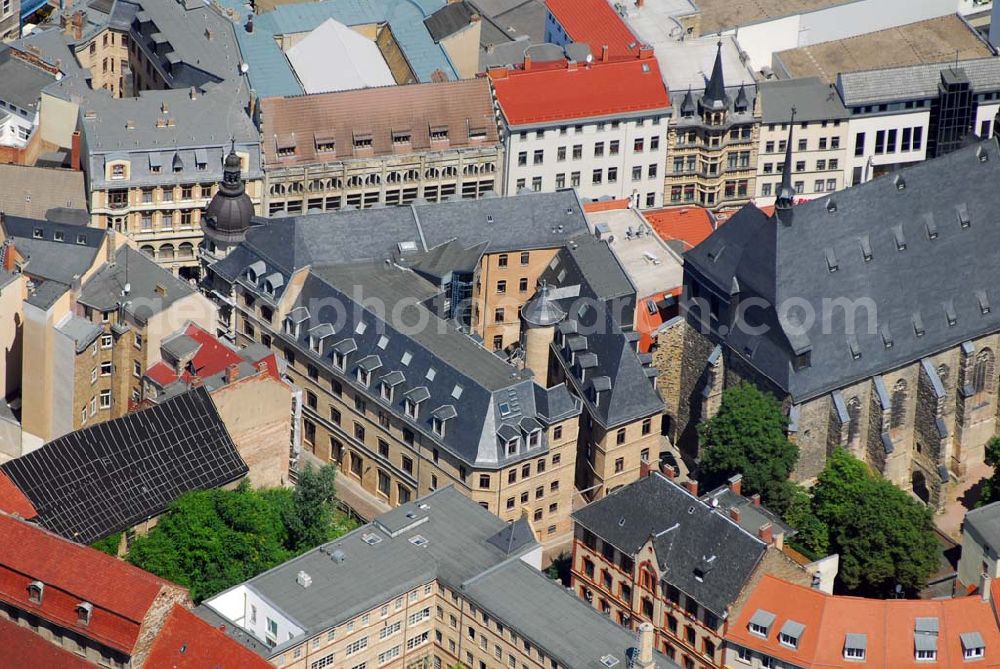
590,58
244,68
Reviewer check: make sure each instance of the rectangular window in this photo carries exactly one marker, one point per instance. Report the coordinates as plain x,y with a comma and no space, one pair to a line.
890,146
598,149
880,142
918,138
577,151
905,143
859,144
597,177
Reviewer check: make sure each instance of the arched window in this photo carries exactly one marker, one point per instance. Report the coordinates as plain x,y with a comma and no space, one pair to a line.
853,419
186,250
167,251
898,412
982,372
148,250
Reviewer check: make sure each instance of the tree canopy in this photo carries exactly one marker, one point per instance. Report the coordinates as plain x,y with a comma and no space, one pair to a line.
989,488
747,436
210,540
884,536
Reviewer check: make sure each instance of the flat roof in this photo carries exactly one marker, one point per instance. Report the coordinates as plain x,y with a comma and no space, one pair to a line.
719,15
938,40
647,260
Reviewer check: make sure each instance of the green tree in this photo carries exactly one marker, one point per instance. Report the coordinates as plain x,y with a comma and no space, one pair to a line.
989,488
747,436
812,536
313,506
109,544
884,536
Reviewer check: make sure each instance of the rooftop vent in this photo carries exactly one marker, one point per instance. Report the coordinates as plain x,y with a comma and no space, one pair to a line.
371,538
982,155
866,248
900,182
418,540
609,661
338,556
303,579
831,206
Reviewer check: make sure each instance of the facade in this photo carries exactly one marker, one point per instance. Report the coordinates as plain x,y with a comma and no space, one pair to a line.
910,390
980,543
438,582
655,553
712,143
599,127
819,152
380,147
55,611
405,412
789,625
24,77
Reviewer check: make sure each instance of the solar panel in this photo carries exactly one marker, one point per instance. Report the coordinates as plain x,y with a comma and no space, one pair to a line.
94,482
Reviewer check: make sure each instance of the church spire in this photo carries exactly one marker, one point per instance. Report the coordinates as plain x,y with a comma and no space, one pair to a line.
715,97
786,194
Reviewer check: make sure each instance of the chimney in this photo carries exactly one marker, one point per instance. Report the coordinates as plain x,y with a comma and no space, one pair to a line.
645,52
77,24
604,53
262,367
734,514
646,639
112,246
9,255
766,533
755,498
736,484
249,24
193,93
984,586
691,487
644,469
640,3
527,62
196,382
232,373
74,152
571,65
669,472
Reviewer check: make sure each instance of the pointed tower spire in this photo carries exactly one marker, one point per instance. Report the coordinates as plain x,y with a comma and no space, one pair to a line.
786,194
715,97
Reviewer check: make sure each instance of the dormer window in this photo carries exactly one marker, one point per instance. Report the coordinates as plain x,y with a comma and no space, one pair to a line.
791,633
510,447
364,377
325,144
963,216
36,590
440,417
83,613
438,426
38,233
439,133
339,360
362,140
411,409
118,171
534,438
760,623
401,136
973,646
925,636
285,146
855,646
385,390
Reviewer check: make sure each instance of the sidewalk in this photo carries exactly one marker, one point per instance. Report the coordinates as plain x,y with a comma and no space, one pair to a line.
961,498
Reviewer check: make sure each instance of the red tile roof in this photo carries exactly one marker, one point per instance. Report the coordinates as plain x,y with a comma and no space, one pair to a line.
213,357
595,23
13,501
120,593
888,624
556,93
23,649
188,642
605,205
690,225
647,323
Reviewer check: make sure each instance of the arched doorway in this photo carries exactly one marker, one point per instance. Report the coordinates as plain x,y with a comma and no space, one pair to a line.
919,483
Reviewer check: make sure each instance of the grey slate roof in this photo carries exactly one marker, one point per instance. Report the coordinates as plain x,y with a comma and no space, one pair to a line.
464,550
55,251
984,525
752,517
685,532
107,478
813,100
21,83
103,290
925,280
914,82
449,19
82,331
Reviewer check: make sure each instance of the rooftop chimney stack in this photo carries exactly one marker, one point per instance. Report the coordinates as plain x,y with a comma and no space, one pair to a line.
527,62
691,487
736,484
646,638
766,533
734,514
755,498
604,53
984,586
232,373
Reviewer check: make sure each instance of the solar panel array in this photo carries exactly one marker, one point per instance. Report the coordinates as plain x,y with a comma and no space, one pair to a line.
107,478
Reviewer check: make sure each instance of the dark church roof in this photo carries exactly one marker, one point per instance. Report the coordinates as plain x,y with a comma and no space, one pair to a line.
715,97
920,247
103,479
228,215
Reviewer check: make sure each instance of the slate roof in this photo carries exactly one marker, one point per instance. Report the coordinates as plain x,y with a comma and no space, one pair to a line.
83,332
35,191
448,20
55,251
984,525
685,532
269,71
107,478
914,82
461,551
924,265
813,100
21,83
152,288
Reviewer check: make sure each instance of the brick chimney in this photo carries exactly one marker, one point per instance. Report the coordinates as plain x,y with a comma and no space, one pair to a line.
766,533
527,62
9,254
734,514
644,469
736,484
691,487
645,52
604,53
571,65
669,471
755,498
647,635
74,151
232,373
984,586
196,382
76,24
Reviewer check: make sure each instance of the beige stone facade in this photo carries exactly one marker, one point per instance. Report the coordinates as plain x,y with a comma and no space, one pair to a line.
503,284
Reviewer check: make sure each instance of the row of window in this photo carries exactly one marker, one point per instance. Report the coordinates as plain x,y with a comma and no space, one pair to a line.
819,186
800,166
578,129
910,139
802,144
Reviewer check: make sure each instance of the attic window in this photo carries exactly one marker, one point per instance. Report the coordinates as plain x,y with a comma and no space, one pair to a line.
405,360
831,206
37,233
438,426
918,325
866,248
897,233
949,312
831,261
886,336
963,215
362,140
325,144
83,613
852,343
900,182
477,134
504,409
984,302
855,646
81,239
982,155
401,136
36,590
439,133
